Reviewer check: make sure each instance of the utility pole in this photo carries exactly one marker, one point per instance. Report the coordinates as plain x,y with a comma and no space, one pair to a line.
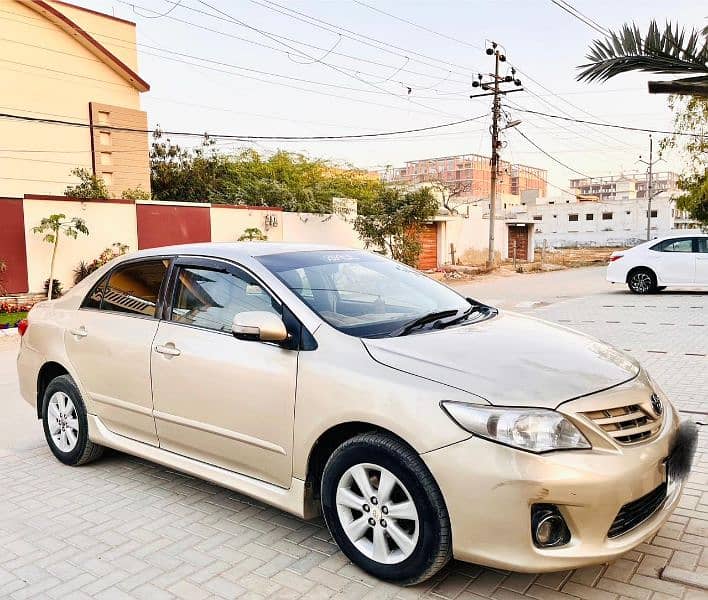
495,161
649,186
650,182
494,83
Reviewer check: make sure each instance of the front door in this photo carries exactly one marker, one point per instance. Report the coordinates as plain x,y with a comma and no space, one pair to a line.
218,399
702,262
108,342
676,262
518,242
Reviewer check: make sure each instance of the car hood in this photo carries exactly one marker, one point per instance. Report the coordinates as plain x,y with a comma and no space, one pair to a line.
509,360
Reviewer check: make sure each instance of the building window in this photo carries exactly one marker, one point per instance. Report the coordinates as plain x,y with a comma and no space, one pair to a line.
537,218
103,117
654,214
104,138
589,216
573,217
607,216
105,158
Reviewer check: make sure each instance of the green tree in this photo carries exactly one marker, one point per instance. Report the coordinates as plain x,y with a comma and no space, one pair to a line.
91,187
392,222
690,117
52,227
287,180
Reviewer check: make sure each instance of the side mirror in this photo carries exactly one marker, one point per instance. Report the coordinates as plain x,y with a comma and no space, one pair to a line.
259,325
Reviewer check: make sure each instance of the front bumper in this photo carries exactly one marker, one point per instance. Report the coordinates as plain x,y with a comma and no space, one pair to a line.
489,490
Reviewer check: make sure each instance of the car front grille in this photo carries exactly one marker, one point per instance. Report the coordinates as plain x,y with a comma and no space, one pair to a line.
626,424
636,512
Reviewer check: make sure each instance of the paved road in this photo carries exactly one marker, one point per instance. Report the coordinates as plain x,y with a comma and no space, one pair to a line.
124,528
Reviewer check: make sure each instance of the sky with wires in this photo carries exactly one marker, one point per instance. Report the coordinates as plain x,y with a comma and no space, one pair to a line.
319,68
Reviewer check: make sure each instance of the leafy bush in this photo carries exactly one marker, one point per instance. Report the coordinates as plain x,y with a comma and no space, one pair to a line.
90,188
57,288
251,234
84,269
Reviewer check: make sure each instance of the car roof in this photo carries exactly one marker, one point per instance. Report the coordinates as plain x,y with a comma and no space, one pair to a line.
235,250
674,236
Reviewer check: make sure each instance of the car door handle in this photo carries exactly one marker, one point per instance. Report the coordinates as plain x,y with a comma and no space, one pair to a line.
80,332
168,350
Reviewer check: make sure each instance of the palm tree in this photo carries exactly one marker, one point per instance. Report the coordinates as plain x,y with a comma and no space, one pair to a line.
669,51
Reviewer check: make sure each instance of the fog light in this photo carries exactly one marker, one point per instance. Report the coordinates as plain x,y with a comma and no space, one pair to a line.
548,527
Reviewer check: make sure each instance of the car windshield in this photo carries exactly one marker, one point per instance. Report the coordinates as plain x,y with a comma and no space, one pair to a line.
366,295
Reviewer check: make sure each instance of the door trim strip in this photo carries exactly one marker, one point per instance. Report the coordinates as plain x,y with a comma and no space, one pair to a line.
220,431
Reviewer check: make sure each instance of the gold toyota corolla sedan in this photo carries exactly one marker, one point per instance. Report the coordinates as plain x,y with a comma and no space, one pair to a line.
423,425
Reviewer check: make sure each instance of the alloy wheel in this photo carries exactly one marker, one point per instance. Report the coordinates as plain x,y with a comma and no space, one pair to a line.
377,513
63,422
641,282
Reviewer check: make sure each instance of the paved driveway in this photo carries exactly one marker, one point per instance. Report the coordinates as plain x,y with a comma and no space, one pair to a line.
124,528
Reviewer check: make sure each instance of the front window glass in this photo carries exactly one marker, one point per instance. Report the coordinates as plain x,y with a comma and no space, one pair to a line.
363,294
210,299
134,288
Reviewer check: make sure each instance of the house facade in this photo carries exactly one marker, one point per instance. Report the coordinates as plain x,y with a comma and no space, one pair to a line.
63,63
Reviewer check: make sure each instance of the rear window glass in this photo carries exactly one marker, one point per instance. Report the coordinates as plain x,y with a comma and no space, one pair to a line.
95,296
134,288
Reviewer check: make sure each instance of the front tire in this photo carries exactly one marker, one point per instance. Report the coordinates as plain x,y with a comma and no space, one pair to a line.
384,509
65,423
641,281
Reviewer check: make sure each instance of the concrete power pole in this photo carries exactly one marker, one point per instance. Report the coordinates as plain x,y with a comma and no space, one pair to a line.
494,84
495,161
650,182
649,186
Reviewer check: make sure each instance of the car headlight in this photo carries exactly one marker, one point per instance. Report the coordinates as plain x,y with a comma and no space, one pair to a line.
532,429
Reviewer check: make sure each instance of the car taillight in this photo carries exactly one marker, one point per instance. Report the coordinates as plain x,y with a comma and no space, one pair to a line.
22,326
616,257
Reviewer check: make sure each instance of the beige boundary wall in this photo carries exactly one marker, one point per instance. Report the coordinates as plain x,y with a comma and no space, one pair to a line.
116,221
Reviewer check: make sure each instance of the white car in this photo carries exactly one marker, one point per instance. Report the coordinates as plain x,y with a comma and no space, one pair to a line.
673,260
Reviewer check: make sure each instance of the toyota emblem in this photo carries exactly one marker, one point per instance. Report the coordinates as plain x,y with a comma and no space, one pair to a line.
656,404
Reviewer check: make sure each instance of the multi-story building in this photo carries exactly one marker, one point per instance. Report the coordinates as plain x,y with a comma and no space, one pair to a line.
468,176
586,220
627,186
67,63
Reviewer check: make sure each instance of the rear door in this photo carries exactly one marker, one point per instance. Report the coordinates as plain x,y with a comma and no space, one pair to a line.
702,261
676,262
108,341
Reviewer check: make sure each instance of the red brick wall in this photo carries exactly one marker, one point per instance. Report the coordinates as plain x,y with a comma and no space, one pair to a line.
168,225
12,246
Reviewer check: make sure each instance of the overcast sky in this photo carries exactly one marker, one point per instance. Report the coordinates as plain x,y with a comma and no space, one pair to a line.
545,44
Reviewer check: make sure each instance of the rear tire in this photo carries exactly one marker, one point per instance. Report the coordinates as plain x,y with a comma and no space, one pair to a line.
384,509
641,281
65,423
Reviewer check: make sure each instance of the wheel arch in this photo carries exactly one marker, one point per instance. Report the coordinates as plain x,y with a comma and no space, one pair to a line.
49,371
327,442
642,268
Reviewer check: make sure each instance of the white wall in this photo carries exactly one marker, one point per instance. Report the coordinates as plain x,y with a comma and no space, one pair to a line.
107,223
472,233
320,229
228,223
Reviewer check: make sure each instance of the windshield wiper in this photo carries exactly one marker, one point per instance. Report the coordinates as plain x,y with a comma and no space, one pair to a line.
423,320
475,307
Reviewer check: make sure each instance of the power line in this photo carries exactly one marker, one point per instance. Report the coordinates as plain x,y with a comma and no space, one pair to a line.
416,25
443,35
306,55
235,136
128,44
613,125
553,158
571,10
